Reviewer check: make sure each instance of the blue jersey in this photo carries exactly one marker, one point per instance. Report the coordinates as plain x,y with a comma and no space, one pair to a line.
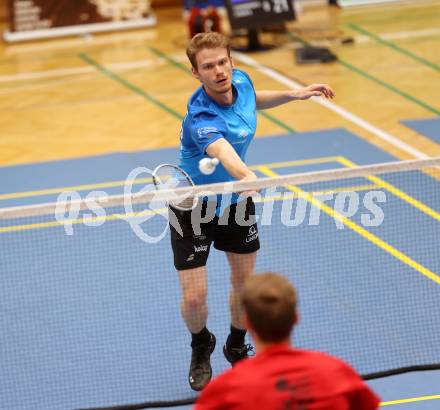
206,122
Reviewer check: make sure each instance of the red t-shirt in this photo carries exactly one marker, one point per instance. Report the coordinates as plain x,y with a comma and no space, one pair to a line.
283,378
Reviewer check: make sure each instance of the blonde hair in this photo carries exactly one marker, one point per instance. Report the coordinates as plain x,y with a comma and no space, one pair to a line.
269,301
206,40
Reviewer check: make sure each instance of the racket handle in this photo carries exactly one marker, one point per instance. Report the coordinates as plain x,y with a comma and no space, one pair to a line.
207,165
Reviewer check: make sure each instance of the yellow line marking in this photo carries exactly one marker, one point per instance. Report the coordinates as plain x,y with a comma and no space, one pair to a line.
411,400
285,164
358,229
138,181
281,197
291,195
52,224
111,184
395,191
354,188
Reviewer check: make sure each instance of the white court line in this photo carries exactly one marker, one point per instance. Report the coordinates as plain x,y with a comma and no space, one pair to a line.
147,63
86,40
43,85
362,39
409,4
46,74
400,35
391,139
72,71
24,88
132,65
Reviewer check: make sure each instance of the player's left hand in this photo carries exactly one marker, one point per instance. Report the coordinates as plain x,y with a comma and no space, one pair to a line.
315,90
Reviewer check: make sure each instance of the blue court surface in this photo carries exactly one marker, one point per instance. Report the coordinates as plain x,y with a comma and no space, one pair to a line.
92,319
429,128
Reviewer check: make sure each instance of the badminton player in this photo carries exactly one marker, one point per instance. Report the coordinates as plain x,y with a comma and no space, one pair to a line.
220,123
280,376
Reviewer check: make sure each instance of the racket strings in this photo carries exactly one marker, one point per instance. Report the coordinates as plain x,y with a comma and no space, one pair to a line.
170,177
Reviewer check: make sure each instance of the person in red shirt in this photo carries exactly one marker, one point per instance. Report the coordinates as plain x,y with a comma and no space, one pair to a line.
281,377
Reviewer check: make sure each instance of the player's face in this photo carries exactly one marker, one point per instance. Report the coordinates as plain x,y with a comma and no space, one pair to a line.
214,70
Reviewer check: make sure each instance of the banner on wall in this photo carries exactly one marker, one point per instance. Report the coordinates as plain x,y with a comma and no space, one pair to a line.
34,19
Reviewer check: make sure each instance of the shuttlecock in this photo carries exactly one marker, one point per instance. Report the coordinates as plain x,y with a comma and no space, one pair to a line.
207,165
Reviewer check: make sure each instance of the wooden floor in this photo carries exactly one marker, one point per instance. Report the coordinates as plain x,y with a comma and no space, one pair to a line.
127,91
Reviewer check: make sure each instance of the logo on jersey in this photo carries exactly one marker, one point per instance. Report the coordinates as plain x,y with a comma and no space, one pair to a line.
206,131
243,134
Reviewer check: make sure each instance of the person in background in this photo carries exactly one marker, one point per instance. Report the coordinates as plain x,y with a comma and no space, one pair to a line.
282,377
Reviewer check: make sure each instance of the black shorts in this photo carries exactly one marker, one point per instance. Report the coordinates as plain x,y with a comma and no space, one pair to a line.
191,236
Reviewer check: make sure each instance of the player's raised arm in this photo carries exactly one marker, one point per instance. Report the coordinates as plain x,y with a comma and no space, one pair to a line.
270,99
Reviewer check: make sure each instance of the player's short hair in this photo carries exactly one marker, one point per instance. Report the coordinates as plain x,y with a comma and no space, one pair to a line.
269,300
206,40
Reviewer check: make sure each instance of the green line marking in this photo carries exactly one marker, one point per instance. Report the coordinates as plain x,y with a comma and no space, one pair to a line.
422,12
185,69
277,121
170,60
376,80
129,85
389,87
394,46
298,39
